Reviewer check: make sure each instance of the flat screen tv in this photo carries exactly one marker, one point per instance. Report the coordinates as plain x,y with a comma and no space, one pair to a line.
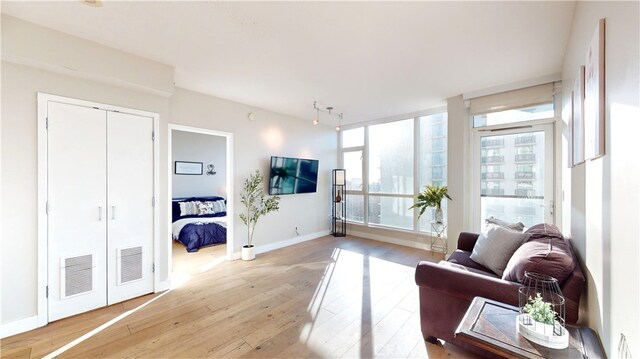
292,175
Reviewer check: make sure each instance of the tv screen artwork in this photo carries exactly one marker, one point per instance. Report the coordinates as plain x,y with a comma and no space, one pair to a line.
292,175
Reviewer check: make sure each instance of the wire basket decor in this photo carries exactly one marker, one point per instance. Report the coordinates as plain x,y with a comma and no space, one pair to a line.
542,308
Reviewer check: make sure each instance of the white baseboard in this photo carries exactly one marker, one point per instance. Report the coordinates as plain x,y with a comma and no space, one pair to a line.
400,242
18,326
284,243
163,285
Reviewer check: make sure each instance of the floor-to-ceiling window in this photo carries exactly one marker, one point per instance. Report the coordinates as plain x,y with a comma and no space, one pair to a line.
388,163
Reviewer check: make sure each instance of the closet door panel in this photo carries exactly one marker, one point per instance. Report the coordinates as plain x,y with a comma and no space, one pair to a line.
130,217
77,209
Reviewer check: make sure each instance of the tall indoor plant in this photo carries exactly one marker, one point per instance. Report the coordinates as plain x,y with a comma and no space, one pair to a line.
432,196
257,204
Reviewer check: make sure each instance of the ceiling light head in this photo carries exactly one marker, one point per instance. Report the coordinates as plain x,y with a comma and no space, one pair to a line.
338,128
317,120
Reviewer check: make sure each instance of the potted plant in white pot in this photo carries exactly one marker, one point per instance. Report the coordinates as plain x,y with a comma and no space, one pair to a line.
539,323
432,196
257,204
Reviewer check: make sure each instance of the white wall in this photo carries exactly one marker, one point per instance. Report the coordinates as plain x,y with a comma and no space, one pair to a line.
458,170
254,143
37,46
19,171
604,194
198,147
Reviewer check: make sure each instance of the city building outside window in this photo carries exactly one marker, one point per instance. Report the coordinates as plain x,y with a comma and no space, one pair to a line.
380,162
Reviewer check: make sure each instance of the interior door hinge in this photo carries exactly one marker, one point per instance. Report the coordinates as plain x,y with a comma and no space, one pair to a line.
153,135
47,291
46,124
153,201
46,207
153,268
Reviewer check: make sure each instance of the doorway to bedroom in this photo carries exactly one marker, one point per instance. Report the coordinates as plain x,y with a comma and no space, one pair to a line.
200,193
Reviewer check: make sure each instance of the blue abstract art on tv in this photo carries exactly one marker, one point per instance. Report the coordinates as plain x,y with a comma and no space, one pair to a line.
292,175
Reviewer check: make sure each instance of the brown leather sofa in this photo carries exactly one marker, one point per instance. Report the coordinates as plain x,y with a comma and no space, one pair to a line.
447,288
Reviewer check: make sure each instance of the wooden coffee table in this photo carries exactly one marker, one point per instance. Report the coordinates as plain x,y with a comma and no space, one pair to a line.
491,326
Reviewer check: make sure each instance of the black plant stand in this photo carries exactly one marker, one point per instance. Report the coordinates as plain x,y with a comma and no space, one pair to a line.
338,203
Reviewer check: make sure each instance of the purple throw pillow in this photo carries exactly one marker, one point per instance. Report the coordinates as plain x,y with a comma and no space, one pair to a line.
546,252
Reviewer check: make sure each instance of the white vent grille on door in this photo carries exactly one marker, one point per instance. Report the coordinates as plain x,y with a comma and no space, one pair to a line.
130,264
77,275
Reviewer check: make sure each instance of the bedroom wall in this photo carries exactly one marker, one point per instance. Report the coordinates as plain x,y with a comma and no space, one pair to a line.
198,147
254,143
604,193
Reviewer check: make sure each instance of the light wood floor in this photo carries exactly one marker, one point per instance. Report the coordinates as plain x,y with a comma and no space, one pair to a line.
329,297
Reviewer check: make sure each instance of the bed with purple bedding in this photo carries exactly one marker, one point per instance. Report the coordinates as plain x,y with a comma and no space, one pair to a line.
199,222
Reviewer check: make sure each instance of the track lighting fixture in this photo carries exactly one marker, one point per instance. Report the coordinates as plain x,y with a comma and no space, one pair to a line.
328,110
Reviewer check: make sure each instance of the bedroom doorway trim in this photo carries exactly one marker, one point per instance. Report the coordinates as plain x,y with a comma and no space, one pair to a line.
43,100
229,180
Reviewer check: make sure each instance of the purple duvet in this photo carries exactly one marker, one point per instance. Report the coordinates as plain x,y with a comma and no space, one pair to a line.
197,235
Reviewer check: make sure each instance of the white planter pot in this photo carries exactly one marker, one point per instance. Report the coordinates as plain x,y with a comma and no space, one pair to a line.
248,253
541,333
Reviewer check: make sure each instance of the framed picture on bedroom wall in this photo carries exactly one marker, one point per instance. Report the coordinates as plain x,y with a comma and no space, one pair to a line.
577,120
188,168
594,95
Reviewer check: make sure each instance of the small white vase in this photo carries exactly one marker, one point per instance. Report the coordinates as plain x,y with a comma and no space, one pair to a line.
248,253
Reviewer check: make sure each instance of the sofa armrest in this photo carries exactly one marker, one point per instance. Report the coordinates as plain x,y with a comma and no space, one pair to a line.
467,240
465,285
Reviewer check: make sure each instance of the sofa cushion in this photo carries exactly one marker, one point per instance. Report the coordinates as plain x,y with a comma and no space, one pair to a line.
495,246
462,258
468,269
546,252
518,226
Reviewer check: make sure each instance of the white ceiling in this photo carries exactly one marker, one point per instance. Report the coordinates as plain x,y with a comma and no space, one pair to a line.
367,59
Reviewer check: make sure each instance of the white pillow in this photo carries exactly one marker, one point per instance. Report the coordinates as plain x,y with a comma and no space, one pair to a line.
219,206
189,208
211,207
518,226
495,246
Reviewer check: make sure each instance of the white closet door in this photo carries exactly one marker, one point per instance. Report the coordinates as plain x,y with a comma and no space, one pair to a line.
77,209
130,217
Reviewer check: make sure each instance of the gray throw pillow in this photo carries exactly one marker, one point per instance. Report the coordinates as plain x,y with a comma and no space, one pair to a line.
518,226
495,246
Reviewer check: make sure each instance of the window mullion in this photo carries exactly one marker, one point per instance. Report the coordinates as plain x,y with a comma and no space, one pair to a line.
365,175
416,169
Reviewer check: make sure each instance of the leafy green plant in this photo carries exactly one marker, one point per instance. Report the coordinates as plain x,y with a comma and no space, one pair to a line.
540,311
257,204
432,196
